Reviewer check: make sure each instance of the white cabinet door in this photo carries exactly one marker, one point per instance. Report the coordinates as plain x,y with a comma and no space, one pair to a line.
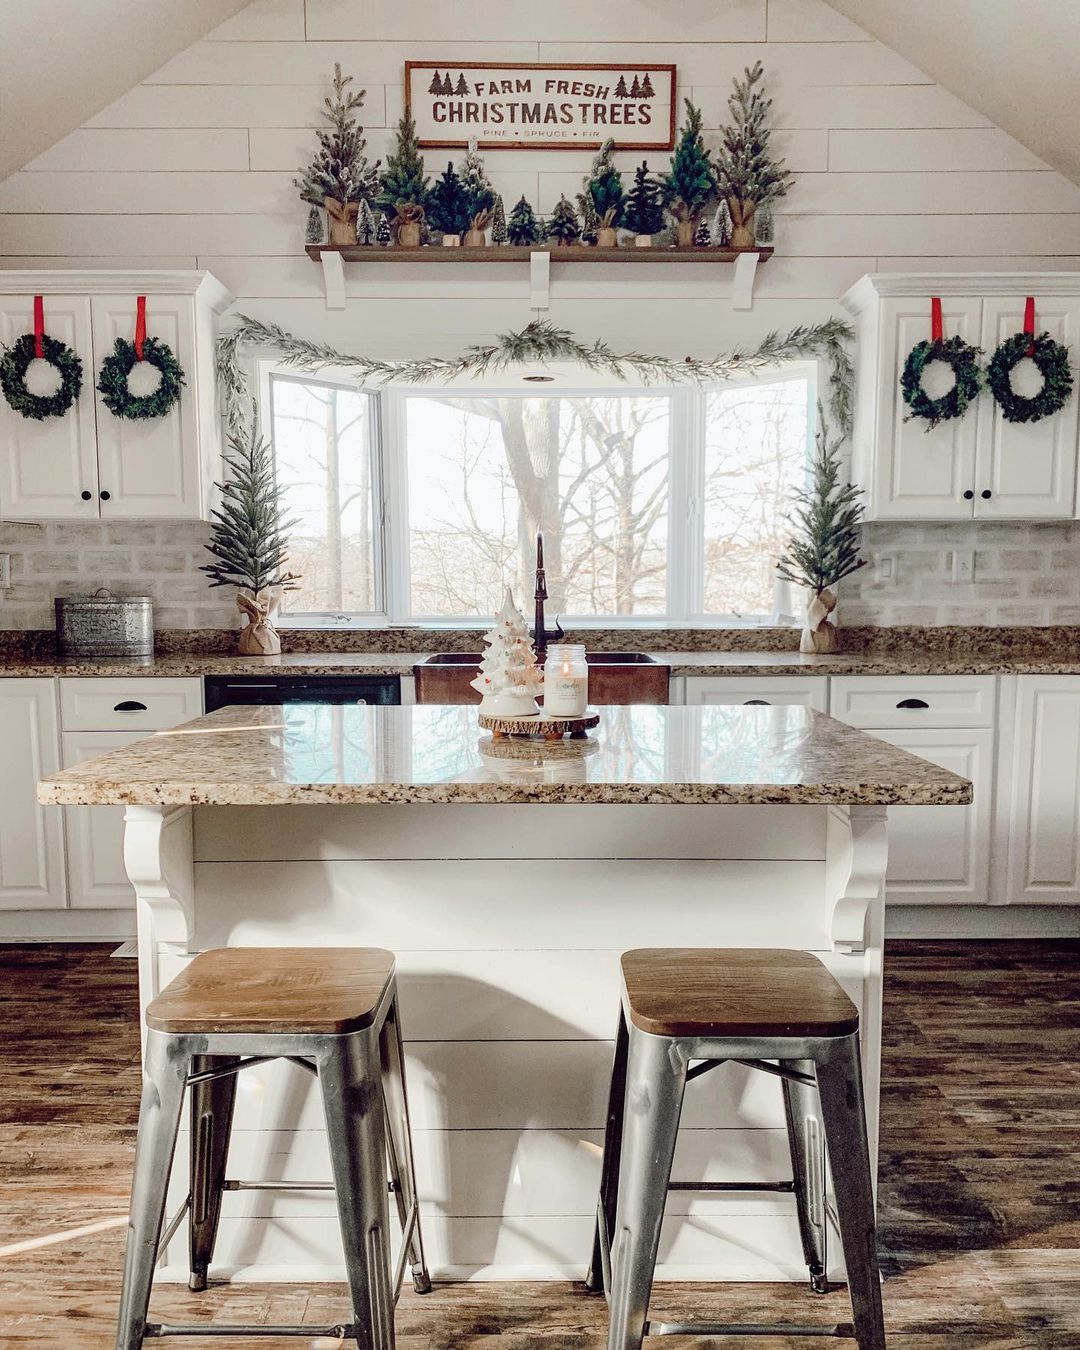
95,834
1027,469
1043,785
31,836
46,467
920,474
941,854
807,691
149,468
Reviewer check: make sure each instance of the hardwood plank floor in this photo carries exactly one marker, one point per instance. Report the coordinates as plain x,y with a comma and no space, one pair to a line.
980,1175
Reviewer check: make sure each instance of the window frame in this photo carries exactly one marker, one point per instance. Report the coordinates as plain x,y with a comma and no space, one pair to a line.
686,488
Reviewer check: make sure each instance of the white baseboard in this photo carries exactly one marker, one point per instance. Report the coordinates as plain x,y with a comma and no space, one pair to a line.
982,921
67,925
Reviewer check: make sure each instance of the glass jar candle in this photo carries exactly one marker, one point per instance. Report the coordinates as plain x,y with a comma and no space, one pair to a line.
566,681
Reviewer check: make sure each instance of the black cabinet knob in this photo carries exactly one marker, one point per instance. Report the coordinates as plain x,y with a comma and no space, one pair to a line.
104,496
969,495
986,494
756,702
86,496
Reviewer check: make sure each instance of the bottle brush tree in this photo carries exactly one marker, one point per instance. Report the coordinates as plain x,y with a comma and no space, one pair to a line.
523,228
313,230
691,180
590,221
479,194
824,545
748,176
564,226
499,232
403,182
644,212
603,193
764,228
340,176
448,208
365,224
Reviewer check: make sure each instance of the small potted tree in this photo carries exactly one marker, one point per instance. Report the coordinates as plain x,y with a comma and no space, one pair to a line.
448,208
564,226
479,196
749,178
691,180
403,187
523,228
824,547
248,541
499,230
644,213
339,178
603,197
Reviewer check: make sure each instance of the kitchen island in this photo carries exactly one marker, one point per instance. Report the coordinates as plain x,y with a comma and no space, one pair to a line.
508,876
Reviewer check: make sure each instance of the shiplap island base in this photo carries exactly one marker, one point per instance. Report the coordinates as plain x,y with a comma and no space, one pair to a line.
508,881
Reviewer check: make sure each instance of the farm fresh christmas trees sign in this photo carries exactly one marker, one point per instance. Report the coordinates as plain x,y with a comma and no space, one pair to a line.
518,106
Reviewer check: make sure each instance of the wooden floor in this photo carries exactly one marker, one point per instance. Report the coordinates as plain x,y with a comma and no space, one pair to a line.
980,1179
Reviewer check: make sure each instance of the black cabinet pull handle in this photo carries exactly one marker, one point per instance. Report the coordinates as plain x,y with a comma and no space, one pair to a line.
969,494
912,703
129,705
986,494
85,495
105,495
756,702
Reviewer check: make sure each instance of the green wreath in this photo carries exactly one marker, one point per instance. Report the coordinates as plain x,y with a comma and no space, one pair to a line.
963,358
113,380
14,364
1052,360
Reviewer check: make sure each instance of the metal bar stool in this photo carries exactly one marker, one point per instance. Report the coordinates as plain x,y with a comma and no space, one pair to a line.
779,1012
333,1013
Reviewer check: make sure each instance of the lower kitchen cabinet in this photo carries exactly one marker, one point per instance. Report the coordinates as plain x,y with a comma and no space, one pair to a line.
1041,783
32,874
807,691
95,834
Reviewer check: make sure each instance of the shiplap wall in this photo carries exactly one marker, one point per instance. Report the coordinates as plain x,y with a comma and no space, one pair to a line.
194,168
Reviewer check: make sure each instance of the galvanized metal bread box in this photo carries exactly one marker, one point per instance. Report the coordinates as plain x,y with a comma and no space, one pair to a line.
104,624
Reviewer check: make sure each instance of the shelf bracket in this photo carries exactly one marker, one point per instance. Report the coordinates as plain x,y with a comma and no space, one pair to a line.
539,279
333,271
742,285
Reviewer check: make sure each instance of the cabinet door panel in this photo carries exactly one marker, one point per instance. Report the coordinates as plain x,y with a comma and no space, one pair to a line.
46,466
95,834
806,691
1044,816
921,474
31,835
1028,467
941,854
149,468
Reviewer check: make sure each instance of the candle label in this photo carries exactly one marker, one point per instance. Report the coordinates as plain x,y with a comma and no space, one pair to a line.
566,695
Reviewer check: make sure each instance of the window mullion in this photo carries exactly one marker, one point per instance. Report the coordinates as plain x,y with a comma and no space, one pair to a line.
395,508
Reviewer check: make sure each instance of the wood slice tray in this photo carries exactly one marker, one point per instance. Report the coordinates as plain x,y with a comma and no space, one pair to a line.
550,728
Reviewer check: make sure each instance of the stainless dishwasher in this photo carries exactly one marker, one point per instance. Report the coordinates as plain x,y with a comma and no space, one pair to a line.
221,690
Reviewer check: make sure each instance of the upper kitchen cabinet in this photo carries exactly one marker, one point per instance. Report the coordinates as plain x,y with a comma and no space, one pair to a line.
979,465
90,464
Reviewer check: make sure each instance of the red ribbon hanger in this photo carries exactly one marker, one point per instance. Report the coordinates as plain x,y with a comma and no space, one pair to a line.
935,319
1029,323
39,326
140,326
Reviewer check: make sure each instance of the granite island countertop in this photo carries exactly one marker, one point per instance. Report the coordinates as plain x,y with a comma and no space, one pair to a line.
318,753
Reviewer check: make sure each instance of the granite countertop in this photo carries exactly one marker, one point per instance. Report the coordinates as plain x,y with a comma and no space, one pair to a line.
316,753
747,664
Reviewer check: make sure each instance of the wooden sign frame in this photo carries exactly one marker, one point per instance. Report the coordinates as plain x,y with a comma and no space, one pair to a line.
664,69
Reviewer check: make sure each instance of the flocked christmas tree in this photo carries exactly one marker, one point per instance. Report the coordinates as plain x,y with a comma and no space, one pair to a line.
644,213
448,208
499,231
383,233
403,181
523,228
749,178
564,226
365,224
479,194
603,189
340,176
721,226
248,538
691,180
702,235
509,678
313,230
764,229
590,221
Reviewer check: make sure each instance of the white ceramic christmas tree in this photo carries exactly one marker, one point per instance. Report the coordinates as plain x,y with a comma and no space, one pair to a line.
509,677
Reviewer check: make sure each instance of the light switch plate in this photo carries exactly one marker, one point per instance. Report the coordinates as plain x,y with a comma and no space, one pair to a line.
962,565
885,569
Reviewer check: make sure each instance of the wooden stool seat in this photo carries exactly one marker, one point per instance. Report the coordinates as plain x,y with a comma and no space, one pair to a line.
703,991
318,990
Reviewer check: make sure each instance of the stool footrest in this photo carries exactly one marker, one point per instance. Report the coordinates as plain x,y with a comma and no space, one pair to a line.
781,1187
154,1330
842,1330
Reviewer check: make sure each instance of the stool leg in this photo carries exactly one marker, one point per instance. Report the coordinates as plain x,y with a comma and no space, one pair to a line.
609,1171
399,1138
164,1079
843,1113
802,1111
655,1080
349,1074
211,1123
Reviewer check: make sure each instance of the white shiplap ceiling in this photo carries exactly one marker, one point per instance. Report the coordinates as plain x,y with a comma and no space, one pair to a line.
62,61
1014,61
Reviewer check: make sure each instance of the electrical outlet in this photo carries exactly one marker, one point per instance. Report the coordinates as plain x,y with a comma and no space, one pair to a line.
5,571
885,569
962,565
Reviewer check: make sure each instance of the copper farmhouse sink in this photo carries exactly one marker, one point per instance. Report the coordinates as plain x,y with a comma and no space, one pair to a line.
614,677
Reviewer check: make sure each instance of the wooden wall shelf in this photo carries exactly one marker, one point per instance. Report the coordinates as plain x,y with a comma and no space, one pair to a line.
334,256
